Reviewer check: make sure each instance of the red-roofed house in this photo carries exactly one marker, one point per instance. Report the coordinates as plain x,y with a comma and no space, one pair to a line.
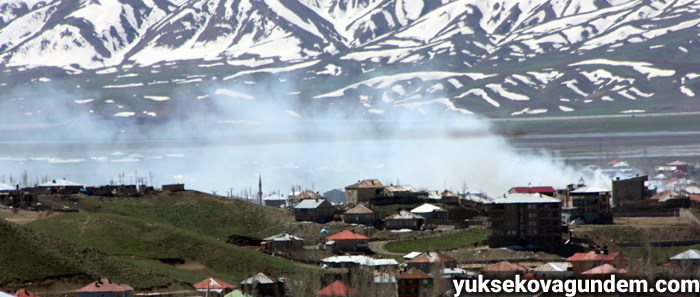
214,285
549,191
504,269
25,293
431,260
337,289
414,283
104,287
581,262
603,271
348,241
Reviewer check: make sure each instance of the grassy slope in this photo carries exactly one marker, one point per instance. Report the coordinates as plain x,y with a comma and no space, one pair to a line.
446,242
187,225
28,256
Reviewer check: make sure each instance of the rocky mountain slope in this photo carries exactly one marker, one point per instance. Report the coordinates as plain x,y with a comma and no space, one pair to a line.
499,58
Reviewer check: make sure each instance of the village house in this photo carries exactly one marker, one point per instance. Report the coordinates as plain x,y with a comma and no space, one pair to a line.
60,186
361,214
337,289
295,198
404,220
282,242
414,283
432,214
347,241
263,285
590,205
525,220
314,210
449,197
553,270
362,191
429,261
504,270
546,190
214,285
581,262
104,287
275,200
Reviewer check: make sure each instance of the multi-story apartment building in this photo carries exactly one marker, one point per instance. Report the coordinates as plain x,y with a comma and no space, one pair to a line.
525,219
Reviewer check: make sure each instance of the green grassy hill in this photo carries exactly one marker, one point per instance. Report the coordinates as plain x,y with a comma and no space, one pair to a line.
165,236
28,256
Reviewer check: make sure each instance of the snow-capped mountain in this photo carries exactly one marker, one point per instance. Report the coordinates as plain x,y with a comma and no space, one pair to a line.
495,57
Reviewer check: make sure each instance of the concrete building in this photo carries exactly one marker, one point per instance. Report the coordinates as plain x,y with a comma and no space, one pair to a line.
589,204
414,283
632,189
61,186
525,220
362,191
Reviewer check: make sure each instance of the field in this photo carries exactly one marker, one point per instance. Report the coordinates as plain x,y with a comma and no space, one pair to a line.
445,242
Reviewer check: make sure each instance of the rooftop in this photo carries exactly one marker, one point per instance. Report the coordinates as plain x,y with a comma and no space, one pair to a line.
505,266
311,203
283,237
106,285
260,278
414,273
525,198
404,215
544,189
426,208
346,234
361,260
587,189
367,183
337,288
690,254
212,284
360,209
431,257
604,269
592,257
